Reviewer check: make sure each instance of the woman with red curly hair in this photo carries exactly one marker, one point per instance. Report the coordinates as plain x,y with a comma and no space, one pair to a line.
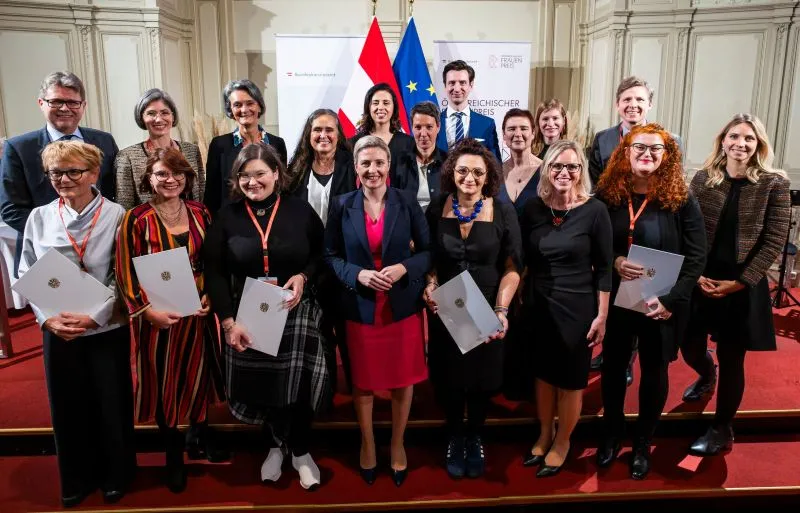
650,206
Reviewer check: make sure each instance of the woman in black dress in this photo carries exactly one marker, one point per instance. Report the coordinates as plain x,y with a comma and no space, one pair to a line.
650,206
470,231
267,235
746,206
381,118
567,239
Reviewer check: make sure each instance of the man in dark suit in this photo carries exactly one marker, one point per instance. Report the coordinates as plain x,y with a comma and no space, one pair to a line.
458,121
23,183
419,172
634,101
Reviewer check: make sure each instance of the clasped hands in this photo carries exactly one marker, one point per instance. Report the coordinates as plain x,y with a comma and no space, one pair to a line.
718,288
69,326
382,280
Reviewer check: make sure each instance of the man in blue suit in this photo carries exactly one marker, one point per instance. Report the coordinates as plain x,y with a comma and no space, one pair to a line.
458,121
23,183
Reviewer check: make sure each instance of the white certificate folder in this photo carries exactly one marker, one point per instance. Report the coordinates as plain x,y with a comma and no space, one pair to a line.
661,270
465,312
54,284
167,279
262,314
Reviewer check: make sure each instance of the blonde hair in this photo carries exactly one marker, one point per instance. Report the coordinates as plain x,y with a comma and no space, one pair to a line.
760,162
582,187
59,151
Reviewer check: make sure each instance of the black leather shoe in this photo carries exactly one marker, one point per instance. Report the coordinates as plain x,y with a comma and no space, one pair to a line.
550,470
399,476
369,475
532,460
113,496
701,388
714,441
596,363
176,478
70,501
629,375
475,460
455,459
202,444
608,451
175,470
640,460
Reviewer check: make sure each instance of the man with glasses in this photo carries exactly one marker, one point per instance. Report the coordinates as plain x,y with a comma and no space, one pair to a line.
634,101
23,184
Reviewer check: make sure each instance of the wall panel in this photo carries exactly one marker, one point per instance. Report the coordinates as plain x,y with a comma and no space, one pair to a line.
21,74
648,61
122,55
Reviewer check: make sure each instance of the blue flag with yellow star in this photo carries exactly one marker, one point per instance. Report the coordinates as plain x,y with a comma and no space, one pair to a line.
411,71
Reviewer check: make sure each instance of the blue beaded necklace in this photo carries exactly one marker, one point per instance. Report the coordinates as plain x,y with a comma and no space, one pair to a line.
475,211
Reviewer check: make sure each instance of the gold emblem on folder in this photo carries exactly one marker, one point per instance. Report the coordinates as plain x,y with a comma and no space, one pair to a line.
264,307
459,303
53,283
651,273
166,276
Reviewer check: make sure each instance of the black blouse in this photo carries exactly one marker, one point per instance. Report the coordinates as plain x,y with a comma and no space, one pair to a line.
233,249
721,264
574,257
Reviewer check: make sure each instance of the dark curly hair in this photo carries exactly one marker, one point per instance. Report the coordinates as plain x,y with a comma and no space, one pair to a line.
667,185
366,124
470,146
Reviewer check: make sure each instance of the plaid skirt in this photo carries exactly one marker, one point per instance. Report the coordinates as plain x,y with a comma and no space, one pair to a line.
258,383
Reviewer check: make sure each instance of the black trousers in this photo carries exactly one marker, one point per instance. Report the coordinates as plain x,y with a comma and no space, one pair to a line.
730,354
624,329
290,425
454,402
91,405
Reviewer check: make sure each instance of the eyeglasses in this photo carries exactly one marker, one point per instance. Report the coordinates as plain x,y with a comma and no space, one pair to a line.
57,103
246,177
155,113
73,174
557,167
163,176
477,172
655,149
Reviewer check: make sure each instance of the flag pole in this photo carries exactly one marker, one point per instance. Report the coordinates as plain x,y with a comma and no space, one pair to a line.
411,7
374,7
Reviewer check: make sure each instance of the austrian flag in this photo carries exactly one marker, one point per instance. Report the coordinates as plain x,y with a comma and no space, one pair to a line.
373,67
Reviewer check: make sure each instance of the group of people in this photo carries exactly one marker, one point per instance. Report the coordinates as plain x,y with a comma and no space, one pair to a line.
360,233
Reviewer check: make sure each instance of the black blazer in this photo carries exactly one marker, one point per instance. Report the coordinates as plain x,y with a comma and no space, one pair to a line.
400,144
24,186
682,232
347,252
221,154
406,175
342,181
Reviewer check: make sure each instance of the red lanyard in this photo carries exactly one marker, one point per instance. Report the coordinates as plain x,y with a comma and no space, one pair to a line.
264,235
80,250
633,219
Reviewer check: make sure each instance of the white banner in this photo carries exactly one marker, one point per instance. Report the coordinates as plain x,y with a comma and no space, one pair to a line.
313,73
502,76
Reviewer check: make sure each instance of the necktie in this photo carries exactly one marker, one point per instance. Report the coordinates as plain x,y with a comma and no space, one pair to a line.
459,126
67,137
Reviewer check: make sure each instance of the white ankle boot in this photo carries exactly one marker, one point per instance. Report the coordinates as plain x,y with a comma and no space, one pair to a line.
271,468
308,470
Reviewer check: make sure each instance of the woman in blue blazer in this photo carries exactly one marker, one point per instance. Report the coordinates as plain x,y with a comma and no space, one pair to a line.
376,242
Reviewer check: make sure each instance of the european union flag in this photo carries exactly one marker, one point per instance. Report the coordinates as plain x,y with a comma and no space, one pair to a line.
411,71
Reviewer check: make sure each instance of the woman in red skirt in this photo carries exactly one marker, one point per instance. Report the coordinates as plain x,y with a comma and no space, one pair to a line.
376,241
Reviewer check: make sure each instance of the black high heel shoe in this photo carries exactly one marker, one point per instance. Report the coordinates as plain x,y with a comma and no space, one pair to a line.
399,476
369,474
551,470
533,460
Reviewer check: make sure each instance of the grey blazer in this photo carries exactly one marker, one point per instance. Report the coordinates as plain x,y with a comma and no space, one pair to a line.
605,142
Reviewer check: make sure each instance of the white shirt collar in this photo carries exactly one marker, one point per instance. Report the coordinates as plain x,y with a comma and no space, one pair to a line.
451,111
56,135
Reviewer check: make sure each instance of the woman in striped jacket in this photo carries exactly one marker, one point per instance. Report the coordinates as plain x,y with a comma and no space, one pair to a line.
177,370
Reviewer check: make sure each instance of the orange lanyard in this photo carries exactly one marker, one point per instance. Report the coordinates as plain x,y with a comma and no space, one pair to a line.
80,250
264,235
633,219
